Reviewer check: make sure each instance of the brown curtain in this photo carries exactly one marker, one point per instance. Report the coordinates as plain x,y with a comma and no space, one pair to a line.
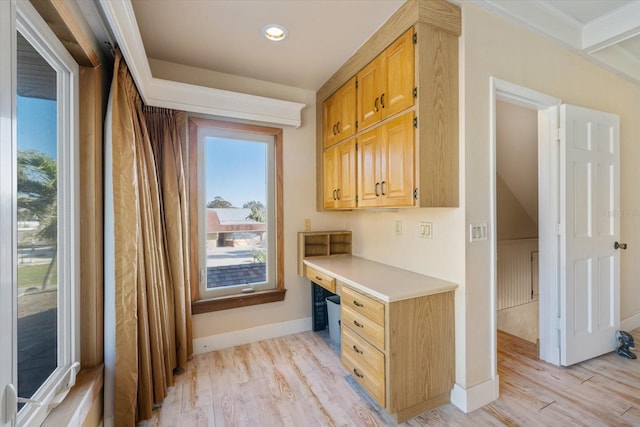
152,292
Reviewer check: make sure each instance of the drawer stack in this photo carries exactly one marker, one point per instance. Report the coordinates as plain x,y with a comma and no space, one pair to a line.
363,341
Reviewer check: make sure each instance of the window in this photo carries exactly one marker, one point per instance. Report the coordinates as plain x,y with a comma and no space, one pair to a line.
236,199
38,268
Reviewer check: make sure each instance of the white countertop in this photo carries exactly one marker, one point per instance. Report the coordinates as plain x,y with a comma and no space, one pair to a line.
379,280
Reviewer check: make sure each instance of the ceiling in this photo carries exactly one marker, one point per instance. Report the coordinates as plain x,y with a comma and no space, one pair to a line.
224,35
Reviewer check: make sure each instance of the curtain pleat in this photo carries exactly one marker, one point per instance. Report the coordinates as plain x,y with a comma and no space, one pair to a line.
153,302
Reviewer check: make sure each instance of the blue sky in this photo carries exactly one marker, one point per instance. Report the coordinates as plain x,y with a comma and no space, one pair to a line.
235,170
37,125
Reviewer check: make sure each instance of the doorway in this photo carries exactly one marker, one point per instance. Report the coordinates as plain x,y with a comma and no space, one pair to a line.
578,195
548,297
517,220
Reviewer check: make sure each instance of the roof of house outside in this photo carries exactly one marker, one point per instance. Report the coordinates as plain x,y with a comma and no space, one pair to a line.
231,219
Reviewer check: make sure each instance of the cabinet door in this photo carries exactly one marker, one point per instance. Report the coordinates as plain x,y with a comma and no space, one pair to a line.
329,178
346,124
369,168
369,91
399,75
329,120
346,154
397,159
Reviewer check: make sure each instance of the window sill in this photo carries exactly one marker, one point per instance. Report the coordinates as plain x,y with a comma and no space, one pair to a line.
235,301
78,404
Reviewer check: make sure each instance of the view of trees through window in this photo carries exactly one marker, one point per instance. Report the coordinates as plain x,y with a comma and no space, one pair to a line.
37,215
236,212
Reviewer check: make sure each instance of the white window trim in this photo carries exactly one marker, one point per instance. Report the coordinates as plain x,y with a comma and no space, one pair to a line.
271,279
24,18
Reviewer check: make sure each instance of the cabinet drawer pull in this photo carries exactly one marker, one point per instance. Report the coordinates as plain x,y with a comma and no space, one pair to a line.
375,105
338,127
334,195
382,187
356,349
382,100
357,304
377,185
319,278
358,374
338,193
358,324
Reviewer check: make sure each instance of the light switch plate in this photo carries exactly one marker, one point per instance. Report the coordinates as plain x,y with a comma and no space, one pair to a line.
425,230
477,231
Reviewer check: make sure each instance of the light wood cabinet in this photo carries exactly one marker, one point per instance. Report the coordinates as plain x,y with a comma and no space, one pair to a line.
400,352
385,85
339,112
340,176
386,175
389,67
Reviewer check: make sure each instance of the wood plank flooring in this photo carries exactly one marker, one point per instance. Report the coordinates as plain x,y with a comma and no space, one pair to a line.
298,380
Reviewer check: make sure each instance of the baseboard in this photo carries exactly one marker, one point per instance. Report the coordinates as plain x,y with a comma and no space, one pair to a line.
470,399
630,323
246,336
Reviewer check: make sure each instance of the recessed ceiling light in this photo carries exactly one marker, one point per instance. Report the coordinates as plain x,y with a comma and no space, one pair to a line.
275,32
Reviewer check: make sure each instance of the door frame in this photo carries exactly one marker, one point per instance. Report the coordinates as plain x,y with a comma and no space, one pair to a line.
549,289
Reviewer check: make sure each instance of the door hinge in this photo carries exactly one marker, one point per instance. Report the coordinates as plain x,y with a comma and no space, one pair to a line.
558,323
356,84
415,38
415,92
356,124
415,193
557,134
556,230
356,146
356,199
415,122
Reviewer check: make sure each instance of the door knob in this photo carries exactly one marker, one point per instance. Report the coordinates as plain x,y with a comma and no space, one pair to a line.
617,245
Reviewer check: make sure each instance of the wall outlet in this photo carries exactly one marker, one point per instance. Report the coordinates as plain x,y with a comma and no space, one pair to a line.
425,230
307,224
398,228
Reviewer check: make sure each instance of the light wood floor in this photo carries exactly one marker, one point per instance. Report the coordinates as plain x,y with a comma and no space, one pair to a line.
298,381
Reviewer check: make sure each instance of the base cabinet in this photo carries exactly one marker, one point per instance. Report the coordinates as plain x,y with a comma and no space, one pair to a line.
401,352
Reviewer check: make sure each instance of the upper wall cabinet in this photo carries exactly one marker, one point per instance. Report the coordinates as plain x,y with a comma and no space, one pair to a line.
340,176
385,85
408,69
339,114
385,164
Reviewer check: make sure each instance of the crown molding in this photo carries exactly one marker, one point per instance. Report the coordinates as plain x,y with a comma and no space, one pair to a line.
597,40
192,98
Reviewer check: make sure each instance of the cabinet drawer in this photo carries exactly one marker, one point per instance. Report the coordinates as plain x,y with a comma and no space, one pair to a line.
363,304
363,326
362,352
324,280
372,382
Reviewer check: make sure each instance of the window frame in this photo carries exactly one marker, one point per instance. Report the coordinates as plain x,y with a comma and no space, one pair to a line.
26,20
202,304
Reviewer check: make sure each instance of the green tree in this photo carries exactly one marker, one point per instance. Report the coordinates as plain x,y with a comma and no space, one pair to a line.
258,211
219,202
37,176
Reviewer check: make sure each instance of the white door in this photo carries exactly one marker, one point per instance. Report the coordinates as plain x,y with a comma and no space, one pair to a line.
589,228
